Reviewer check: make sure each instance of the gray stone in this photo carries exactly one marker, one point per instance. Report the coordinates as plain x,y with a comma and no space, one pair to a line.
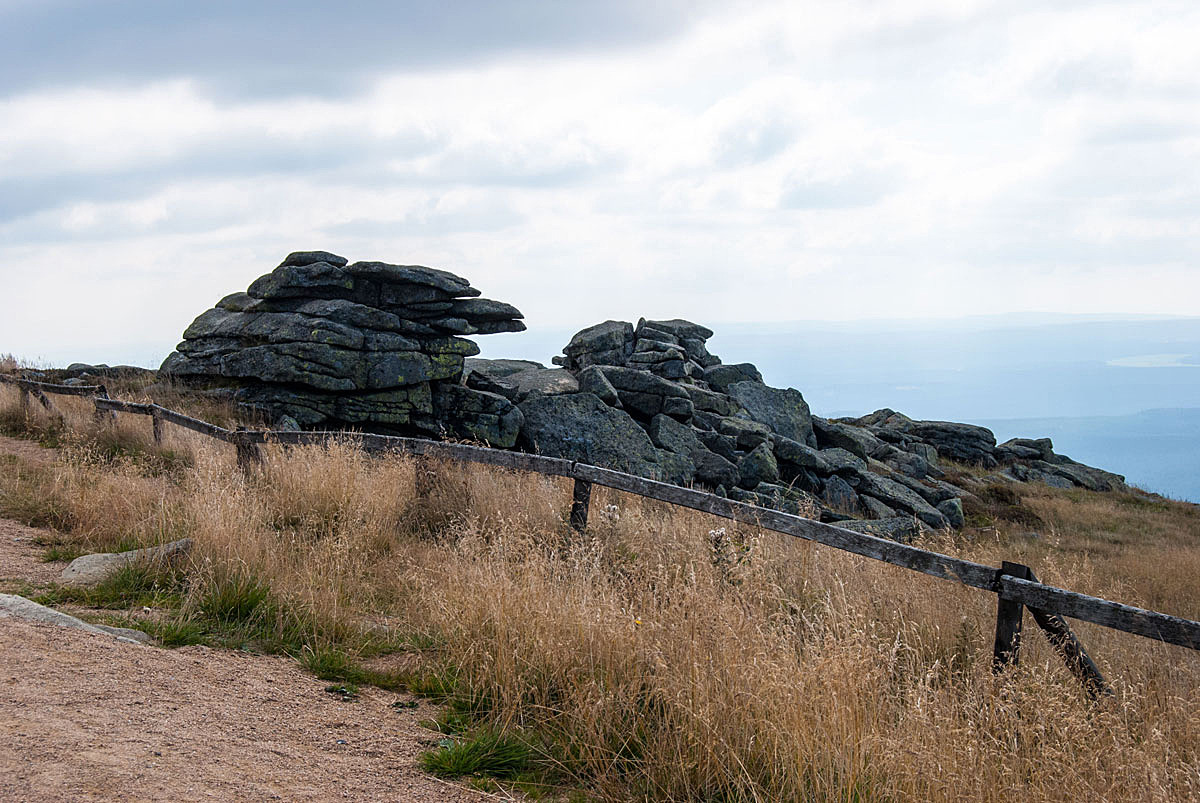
608,343
756,467
16,607
712,402
720,377
952,509
499,368
856,440
842,462
633,380
838,494
302,258
797,454
676,469
316,280
784,411
383,273
902,498
874,509
746,434
723,445
709,468
679,328
592,380
478,310
476,415
581,427
90,570
965,443
543,382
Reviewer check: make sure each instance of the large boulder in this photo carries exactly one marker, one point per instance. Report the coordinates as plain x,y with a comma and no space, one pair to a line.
328,344
478,415
581,427
784,411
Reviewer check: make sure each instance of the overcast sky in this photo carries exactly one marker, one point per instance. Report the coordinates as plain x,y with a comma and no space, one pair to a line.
597,159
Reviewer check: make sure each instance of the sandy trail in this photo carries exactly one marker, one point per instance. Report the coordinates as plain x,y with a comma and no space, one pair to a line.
85,717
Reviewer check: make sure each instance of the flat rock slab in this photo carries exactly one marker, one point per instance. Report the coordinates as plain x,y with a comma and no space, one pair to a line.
27,610
89,570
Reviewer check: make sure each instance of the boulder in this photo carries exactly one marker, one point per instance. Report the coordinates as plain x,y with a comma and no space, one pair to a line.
952,509
856,440
798,455
709,468
784,411
965,443
90,570
542,382
758,466
872,508
838,494
581,427
720,377
331,344
608,343
477,415
592,380
896,495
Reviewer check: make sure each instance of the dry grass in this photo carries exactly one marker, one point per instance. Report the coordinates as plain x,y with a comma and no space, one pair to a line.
673,655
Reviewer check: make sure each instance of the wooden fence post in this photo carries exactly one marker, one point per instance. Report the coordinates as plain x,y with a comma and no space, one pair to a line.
101,416
1009,614
581,497
248,453
156,426
25,410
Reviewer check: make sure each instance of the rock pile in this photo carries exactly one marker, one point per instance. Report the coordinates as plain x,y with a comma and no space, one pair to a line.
651,399
319,342
322,343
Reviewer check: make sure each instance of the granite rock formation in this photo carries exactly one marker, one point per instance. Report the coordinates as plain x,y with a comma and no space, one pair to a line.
323,343
320,343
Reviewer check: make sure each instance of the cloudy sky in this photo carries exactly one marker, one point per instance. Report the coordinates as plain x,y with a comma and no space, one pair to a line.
597,158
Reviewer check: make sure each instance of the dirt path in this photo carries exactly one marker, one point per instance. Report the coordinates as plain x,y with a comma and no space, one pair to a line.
85,717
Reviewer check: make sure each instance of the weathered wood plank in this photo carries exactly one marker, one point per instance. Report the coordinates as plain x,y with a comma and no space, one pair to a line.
1116,615
195,424
932,563
117,405
47,387
1059,634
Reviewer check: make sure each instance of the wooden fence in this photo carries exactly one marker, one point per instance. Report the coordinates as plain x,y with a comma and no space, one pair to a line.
1015,585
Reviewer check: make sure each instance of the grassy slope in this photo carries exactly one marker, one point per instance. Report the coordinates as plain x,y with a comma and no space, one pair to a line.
659,657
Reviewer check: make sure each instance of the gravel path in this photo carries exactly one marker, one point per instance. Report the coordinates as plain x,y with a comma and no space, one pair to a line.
85,717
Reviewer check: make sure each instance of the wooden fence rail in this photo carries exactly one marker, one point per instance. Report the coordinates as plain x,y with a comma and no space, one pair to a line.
1015,585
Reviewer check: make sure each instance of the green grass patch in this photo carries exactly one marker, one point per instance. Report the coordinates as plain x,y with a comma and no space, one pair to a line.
482,752
235,598
130,586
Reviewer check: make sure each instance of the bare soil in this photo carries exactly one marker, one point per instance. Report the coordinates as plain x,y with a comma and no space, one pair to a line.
85,717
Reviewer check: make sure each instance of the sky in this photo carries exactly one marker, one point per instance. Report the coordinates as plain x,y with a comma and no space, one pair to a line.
723,162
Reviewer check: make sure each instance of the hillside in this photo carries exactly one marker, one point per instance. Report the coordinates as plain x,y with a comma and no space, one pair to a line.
667,655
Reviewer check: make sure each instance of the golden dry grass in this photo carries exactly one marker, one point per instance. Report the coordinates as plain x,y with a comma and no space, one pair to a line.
671,655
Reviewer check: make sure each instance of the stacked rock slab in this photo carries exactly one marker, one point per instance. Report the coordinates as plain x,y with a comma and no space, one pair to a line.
651,399
328,344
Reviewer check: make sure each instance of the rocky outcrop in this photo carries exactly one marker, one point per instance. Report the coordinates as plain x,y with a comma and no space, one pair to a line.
320,342
327,343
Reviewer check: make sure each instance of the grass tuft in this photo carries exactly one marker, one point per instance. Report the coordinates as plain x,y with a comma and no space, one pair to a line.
481,752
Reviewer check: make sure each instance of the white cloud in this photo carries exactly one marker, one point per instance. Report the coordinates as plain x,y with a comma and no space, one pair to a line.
775,161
